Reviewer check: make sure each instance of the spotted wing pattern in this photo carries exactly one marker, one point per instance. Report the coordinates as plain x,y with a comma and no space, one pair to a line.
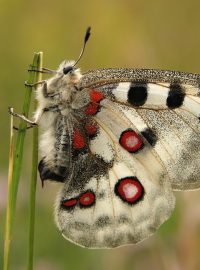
167,105
136,140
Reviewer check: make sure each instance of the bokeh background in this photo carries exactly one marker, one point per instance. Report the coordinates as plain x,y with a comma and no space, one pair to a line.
125,33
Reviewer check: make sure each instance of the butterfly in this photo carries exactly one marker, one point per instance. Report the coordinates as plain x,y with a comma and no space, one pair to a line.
120,140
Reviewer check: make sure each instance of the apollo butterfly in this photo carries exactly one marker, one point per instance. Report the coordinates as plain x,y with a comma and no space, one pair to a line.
120,141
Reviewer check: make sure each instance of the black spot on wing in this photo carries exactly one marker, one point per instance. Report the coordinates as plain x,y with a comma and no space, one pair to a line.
79,226
103,221
176,96
123,219
137,94
150,136
102,195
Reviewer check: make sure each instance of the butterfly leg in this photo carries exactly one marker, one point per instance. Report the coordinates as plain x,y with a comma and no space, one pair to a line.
35,84
44,87
16,128
53,108
44,70
45,92
23,117
37,118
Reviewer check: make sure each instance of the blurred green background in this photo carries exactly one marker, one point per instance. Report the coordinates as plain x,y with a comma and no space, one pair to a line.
153,34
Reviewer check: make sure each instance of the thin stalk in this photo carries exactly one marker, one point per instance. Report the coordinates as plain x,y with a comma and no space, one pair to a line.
15,167
33,183
8,211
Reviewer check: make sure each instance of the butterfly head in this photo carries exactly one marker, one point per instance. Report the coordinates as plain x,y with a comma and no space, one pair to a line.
69,72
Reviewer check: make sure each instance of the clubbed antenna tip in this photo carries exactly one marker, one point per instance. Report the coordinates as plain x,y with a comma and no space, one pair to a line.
87,34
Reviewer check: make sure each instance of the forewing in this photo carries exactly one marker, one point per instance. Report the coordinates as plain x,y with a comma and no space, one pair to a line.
168,104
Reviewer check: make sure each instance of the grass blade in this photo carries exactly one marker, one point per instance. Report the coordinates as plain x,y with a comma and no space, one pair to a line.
15,165
33,183
8,213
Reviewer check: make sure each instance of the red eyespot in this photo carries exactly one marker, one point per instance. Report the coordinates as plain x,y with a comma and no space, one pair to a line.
96,96
129,189
130,141
70,202
78,139
87,199
91,109
91,128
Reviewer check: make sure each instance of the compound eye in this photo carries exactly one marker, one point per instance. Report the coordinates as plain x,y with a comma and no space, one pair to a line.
67,69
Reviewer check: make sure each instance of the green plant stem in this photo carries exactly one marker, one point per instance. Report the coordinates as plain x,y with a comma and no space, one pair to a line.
33,184
15,169
8,213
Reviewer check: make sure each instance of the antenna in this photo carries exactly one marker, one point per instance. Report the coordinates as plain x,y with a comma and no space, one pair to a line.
68,69
87,35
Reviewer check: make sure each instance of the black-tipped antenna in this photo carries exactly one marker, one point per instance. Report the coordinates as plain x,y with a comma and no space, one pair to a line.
87,35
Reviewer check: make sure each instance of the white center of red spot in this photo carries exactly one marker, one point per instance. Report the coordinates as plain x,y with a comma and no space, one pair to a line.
129,190
132,141
87,198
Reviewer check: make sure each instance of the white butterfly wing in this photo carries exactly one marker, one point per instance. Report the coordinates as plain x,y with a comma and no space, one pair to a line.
166,102
123,206
148,142
177,130
125,203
